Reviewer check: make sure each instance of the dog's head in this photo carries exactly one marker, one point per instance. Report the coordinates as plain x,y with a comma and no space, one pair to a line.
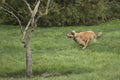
71,34
100,34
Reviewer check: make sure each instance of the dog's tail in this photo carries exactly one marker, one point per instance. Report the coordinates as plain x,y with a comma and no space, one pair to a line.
97,36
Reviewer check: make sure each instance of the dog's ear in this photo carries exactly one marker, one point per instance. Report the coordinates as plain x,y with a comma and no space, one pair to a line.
73,32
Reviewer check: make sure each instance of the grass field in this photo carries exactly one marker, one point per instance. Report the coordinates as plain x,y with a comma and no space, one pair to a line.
55,55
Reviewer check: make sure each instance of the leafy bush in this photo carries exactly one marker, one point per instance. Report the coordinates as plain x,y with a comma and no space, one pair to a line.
69,12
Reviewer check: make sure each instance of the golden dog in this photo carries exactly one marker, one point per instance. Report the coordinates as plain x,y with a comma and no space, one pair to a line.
84,38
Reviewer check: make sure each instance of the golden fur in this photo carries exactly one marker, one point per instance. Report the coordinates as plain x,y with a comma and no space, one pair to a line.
84,38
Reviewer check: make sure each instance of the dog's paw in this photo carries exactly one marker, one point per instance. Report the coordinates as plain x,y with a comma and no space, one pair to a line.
83,47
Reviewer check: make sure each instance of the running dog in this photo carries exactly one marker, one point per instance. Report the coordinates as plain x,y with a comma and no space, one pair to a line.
84,38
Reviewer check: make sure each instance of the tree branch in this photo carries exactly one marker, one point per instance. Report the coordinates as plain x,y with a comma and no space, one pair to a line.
40,12
33,12
36,8
47,6
13,9
37,18
25,30
45,13
10,12
28,5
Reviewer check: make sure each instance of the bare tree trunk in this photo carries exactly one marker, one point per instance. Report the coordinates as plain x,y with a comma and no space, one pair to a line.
28,55
27,32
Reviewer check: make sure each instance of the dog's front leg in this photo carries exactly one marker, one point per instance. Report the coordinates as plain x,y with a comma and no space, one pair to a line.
86,44
83,44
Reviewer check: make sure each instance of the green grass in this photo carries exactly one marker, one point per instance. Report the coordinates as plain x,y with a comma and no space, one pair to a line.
53,53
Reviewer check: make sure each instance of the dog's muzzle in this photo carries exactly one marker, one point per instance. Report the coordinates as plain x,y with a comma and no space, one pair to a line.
69,36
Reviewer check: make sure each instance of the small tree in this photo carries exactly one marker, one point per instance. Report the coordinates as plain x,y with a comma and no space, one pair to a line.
26,32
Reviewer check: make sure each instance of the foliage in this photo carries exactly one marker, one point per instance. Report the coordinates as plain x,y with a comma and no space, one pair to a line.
115,7
69,12
54,53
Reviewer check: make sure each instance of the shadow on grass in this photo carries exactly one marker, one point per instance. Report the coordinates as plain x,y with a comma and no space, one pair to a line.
101,47
46,73
68,71
13,74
